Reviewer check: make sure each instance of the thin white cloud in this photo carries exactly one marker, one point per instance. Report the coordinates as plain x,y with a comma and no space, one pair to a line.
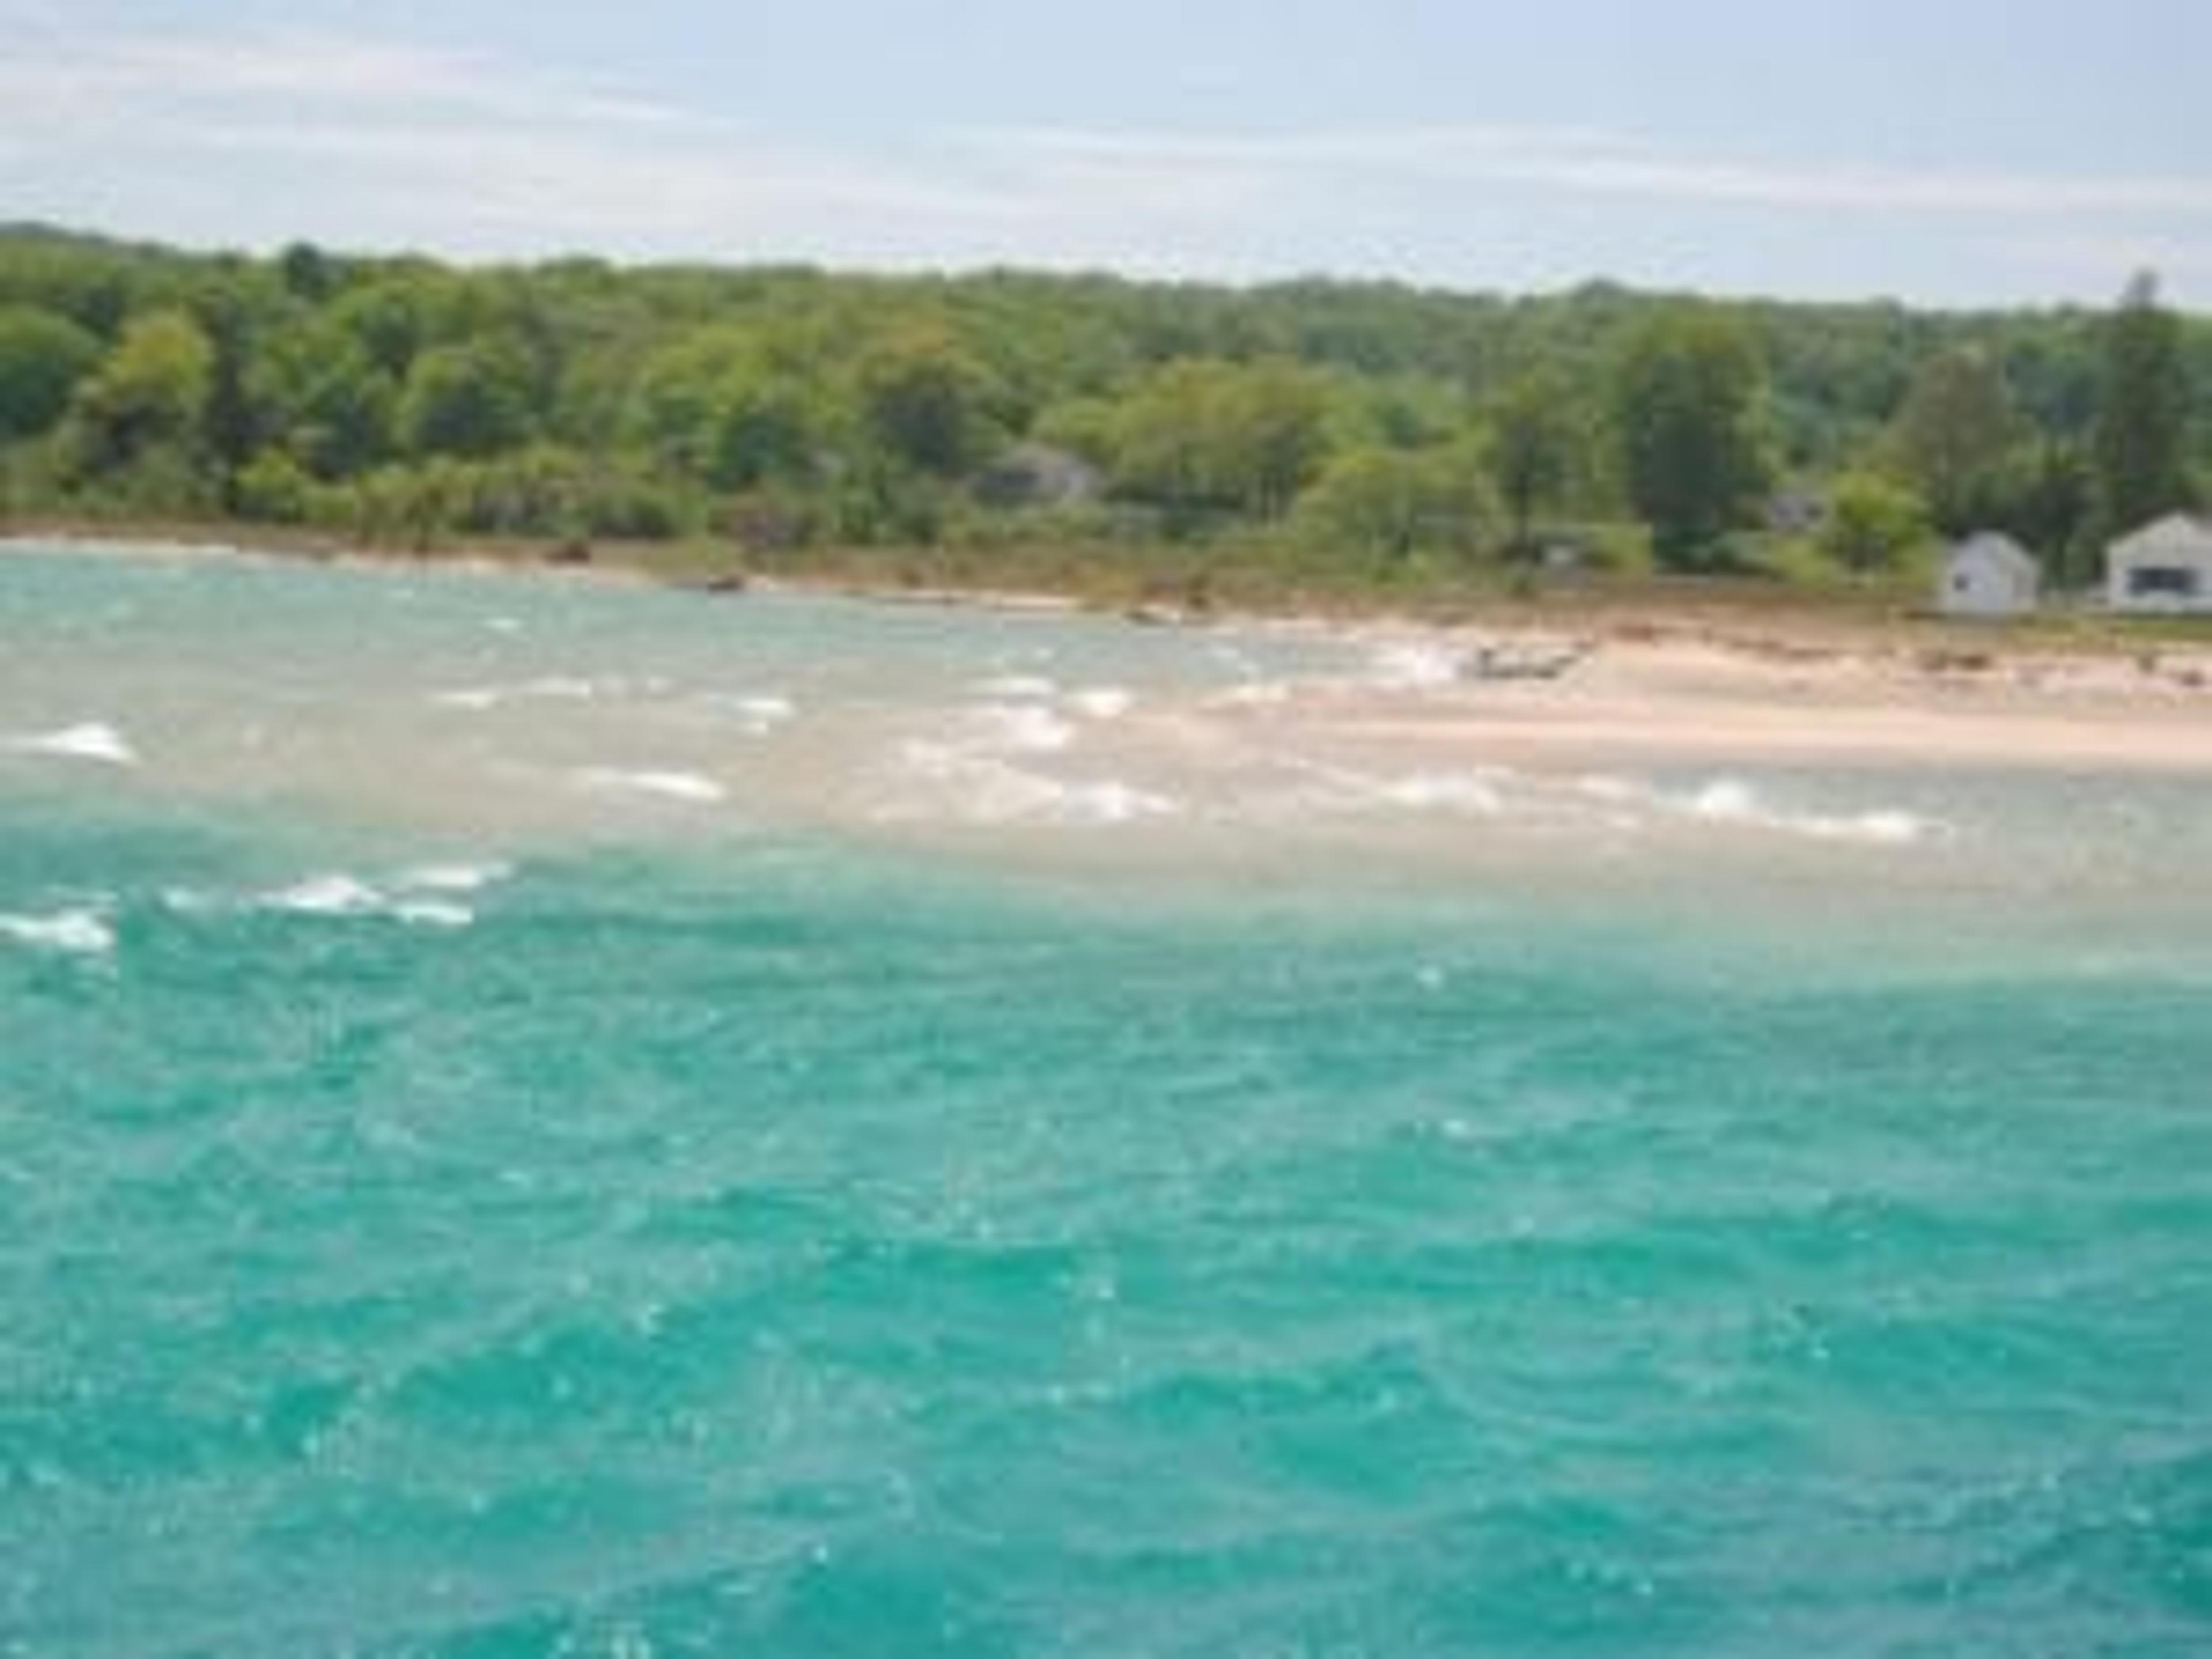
1587,160
65,70
263,135
485,156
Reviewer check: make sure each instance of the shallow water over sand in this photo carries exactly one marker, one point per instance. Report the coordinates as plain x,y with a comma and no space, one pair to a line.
501,713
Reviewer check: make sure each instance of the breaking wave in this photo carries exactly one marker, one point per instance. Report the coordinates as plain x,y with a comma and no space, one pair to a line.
73,932
689,788
92,741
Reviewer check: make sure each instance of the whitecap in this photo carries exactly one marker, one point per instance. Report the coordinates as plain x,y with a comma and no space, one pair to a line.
558,687
1890,828
1727,800
1407,667
564,687
1102,702
758,713
75,932
1017,686
1112,802
433,912
1733,802
1258,694
474,698
1452,790
423,899
984,789
92,741
1024,728
452,878
335,894
686,787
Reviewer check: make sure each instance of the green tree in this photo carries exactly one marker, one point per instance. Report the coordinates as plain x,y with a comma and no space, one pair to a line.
274,489
1685,393
316,391
1388,504
43,357
718,407
2046,495
466,401
1951,435
307,272
227,422
1201,437
2142,412
1531,450
149,397
1872,523
1275,437
923,400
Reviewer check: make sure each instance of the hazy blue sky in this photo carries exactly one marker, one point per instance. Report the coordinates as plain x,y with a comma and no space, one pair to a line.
1960,151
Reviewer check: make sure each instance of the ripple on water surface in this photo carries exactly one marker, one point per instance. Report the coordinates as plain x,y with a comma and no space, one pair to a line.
769,1240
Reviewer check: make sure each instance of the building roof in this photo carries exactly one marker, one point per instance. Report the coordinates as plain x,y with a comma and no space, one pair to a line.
2178,534
1994,544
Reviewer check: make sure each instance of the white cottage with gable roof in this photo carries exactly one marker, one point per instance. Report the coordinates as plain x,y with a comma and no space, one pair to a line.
2164,568
1988,575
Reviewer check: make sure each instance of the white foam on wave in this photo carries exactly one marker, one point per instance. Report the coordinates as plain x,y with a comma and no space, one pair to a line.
334,895
691,788
982,788
1458,791
758,713
1342,788
1257,693
1733,802
91,740
1016,687
1410,667
551,688
1110,801
475,699
423,895
1023,728
454,877
1102,702
432,912
73,932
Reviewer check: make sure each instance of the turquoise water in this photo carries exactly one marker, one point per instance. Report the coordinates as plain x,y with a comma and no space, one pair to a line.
539,1221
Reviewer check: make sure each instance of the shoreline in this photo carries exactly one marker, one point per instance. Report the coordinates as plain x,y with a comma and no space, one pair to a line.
1592,679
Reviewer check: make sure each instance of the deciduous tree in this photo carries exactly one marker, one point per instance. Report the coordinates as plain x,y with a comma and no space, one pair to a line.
1872,523
43,357
1951,435
1531,449
1684,395
2142,413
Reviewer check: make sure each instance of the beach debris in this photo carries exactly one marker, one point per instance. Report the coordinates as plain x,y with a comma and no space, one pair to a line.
1524,659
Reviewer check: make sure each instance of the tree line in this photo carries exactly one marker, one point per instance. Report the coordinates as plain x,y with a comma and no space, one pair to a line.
400,401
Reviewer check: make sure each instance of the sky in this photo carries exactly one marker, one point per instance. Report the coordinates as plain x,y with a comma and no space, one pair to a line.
1945,152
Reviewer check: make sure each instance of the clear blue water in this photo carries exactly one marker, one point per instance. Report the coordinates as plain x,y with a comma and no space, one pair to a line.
797,1239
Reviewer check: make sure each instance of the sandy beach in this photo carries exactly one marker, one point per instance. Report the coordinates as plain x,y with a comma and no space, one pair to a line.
1789,694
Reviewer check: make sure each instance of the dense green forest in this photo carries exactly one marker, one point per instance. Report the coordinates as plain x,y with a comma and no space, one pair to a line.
1368,428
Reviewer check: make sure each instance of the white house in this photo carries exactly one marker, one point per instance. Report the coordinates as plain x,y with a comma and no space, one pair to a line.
2164,567
1988,575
